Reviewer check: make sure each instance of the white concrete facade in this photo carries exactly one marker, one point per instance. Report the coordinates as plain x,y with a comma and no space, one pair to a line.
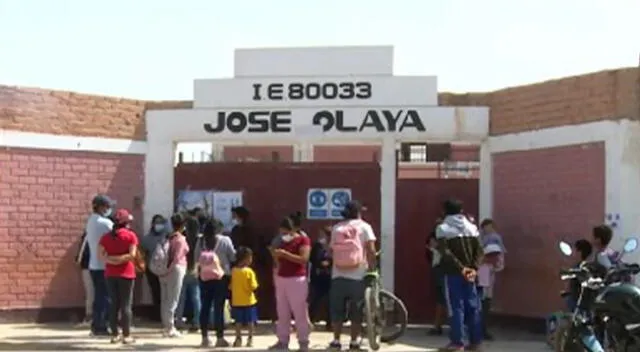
622,170
308,96
30,140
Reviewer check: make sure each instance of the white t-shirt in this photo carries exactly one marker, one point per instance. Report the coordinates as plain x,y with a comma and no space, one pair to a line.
97,226
366,235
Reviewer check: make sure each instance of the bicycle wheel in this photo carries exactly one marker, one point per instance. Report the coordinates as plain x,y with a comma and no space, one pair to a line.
371,310
393,317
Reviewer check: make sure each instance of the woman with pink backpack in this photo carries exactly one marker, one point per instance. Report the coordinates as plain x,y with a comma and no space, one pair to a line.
214,253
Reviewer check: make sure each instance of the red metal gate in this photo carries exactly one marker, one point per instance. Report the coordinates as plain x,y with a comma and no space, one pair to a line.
274,190
418,205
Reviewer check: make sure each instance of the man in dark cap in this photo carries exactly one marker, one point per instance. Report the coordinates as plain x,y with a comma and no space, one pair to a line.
97,225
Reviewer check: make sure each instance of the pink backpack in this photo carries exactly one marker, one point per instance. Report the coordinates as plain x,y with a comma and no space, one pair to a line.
348,252
210,267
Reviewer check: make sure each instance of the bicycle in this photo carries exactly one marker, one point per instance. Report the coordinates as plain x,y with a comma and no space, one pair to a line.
379,305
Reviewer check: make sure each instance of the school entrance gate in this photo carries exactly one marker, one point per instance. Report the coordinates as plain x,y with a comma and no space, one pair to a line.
304,98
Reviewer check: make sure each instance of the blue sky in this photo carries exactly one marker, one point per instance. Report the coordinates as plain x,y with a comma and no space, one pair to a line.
153,49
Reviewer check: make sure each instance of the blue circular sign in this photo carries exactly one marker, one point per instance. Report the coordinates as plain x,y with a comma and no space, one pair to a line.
340,199
317,199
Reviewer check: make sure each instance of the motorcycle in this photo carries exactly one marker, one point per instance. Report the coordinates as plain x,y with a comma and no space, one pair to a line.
605,305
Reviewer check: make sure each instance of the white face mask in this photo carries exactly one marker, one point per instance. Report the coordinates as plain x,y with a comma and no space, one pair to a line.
287,238
107,213
234,222
322,240
158,227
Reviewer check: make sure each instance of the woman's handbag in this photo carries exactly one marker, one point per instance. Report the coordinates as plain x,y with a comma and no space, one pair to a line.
139,260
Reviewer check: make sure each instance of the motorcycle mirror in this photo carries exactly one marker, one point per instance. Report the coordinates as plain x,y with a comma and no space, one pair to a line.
565,248
630,245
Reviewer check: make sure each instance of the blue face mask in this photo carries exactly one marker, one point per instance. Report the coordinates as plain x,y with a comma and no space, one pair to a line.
158,227
107,213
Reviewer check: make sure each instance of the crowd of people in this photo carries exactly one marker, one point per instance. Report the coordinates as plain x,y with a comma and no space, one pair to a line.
189,260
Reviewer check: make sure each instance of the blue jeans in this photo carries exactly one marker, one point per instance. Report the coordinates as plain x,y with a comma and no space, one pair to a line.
191,291
463,304
100,302
213,293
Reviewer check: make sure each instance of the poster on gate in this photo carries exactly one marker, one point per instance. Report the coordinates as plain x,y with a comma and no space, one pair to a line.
189,199
223,202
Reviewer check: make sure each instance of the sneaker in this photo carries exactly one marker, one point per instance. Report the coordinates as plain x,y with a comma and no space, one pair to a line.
250,342
173,333
116,339
206,342
128,340
279,346
221,342
355,346
335,346
303,346
193,329
451,348
488,336
436,331
237,342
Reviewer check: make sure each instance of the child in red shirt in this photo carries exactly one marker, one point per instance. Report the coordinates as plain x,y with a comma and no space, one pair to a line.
118,250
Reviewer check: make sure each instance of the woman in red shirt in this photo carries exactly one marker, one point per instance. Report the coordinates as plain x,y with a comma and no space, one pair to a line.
118,251
292,286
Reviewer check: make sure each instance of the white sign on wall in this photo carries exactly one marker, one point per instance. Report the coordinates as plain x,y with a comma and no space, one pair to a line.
223,202
347,123
315,92
327,203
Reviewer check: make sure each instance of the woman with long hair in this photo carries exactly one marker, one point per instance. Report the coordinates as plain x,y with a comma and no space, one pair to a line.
214,290
118,250
291,285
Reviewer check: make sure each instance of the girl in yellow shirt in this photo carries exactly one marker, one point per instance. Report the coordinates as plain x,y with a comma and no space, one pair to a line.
243,299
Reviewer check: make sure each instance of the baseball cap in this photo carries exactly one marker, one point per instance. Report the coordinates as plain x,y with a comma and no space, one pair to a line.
101,199
492,248
123,216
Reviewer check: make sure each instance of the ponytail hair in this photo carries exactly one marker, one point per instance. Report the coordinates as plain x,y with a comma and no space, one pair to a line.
116,227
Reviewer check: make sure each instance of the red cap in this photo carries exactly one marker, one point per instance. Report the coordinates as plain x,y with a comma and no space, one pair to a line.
123,216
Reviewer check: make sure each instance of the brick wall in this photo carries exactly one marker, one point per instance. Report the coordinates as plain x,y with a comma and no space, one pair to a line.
44,201
346,153
541,197
610,94
571,100
257,153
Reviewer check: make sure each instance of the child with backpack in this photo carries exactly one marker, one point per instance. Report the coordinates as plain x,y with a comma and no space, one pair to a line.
492,263
243,298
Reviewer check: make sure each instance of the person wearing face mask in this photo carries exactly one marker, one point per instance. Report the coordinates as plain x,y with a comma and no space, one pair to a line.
320,283
97,225
158,232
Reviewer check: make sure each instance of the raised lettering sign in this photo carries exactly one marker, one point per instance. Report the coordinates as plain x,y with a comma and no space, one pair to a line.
379,120
312,91
254,121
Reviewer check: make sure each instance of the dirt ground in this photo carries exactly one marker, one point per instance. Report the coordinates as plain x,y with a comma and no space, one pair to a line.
54,337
